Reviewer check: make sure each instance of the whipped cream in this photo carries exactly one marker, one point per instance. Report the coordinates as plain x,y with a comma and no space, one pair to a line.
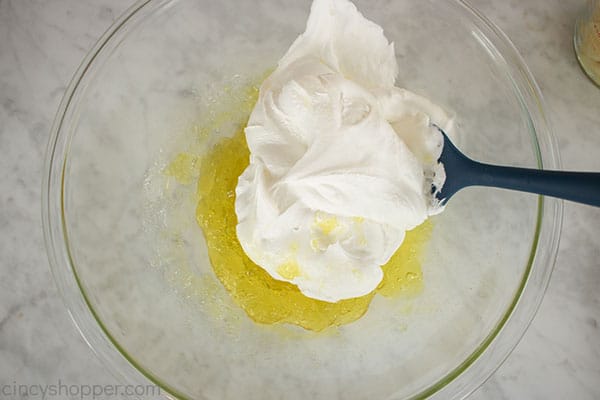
341,161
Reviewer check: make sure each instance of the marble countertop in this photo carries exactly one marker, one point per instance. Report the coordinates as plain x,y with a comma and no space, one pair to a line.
41,45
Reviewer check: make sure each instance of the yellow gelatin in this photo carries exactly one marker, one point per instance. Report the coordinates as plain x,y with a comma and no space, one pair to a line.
265,299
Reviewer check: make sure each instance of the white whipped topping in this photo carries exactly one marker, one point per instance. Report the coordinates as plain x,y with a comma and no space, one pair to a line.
341,160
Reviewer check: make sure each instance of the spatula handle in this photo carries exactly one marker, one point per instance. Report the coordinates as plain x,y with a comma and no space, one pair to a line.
582,187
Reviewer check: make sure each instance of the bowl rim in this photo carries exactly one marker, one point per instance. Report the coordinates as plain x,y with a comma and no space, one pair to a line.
458,383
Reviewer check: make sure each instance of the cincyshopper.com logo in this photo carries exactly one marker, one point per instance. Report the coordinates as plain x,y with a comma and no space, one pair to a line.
61,390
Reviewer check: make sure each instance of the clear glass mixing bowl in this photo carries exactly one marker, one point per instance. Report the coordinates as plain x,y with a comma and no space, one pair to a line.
131,262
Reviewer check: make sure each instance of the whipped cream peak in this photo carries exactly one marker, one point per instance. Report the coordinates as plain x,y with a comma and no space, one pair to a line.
341,161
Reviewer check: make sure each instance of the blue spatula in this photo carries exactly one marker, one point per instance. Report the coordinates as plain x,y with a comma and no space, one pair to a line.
461,171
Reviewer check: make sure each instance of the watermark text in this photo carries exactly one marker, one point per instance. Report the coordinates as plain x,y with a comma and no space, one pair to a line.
61,390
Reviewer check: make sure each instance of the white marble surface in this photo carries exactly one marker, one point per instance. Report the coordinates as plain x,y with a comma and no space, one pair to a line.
42,43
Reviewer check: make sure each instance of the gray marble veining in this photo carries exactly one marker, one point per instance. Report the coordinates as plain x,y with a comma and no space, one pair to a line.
41,45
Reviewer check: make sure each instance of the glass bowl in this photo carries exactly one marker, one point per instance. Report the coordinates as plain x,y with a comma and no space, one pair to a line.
131,262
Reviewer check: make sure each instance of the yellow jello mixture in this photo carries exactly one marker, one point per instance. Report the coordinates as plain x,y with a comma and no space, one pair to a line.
265,299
